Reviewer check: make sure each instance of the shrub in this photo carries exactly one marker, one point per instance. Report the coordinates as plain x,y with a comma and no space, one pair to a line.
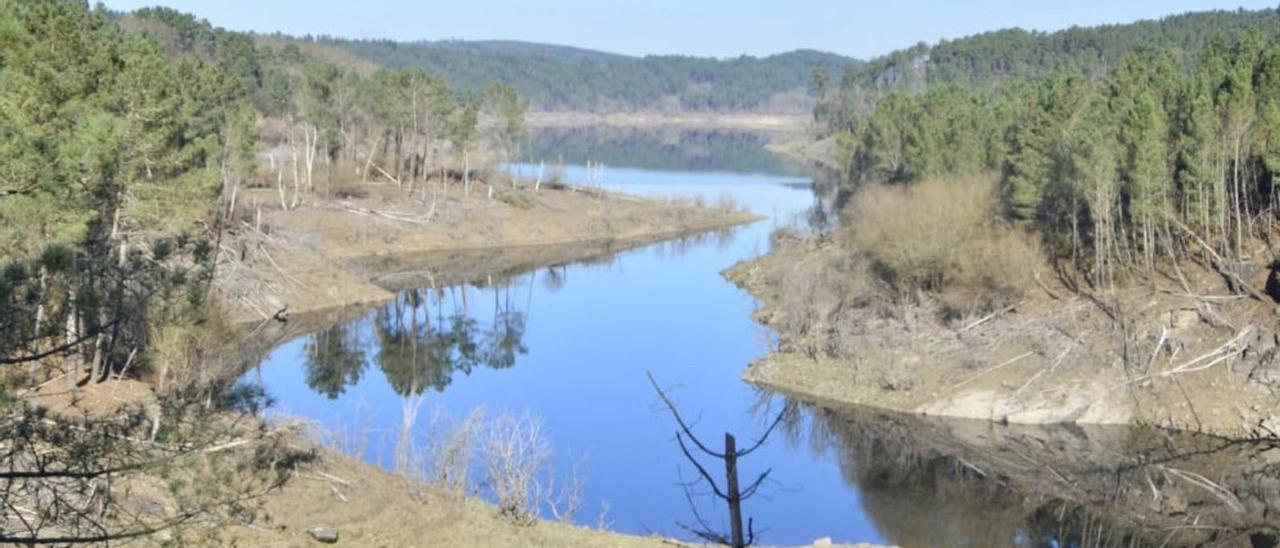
350,191
513,198
940,235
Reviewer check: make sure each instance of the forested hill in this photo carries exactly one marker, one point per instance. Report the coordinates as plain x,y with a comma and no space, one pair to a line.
989,58
561,77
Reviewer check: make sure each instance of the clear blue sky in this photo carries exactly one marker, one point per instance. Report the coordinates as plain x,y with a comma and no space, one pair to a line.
861,28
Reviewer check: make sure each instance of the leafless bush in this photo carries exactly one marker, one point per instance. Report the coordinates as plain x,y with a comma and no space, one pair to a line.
515,451
728,204
938,235
350,191
567,500
450,452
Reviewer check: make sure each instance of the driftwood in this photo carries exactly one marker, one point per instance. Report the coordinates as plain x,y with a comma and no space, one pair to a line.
1004,364
1227,350
988,317
1219,264
391,215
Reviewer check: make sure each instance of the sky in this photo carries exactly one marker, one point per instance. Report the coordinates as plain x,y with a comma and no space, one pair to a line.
719,28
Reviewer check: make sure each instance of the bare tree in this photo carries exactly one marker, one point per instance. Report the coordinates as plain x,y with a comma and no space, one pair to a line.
732,494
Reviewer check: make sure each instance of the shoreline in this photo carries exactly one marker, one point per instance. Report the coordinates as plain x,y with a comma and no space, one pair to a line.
1042,361
327,256
397,257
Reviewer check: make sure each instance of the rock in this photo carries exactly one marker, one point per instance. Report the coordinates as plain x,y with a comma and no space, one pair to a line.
1182,319
325,534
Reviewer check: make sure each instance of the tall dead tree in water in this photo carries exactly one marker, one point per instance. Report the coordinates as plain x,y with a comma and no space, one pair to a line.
732,494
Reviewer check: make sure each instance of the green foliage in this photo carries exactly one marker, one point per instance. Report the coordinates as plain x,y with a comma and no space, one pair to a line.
1102,159
106,146
556,77
985,61
507,109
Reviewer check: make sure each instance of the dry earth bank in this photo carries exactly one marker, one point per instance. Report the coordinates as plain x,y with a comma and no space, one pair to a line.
350,250
1192,357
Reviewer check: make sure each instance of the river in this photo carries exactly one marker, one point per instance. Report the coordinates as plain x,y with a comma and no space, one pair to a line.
570,346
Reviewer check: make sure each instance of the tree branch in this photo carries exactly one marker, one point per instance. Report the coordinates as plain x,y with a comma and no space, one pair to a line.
675,413
703,471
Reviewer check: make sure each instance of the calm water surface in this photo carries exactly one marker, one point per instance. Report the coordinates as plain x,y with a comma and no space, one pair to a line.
571,344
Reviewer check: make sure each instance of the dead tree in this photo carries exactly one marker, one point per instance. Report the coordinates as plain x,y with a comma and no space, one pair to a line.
731,494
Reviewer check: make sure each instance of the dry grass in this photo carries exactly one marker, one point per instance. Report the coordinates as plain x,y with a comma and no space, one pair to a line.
942,237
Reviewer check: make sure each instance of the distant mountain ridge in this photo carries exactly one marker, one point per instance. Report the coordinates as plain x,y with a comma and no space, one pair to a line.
990,57
520,47
556,77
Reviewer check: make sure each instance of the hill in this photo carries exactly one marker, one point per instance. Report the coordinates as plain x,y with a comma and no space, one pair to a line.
566,78
989,58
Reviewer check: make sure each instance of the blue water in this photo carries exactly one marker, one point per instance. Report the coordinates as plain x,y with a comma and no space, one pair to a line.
572,344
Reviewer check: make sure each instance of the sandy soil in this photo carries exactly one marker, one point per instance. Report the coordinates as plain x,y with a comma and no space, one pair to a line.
329,253
1201,361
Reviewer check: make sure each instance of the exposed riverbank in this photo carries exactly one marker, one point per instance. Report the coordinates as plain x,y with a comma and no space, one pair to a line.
978,483
1191,357
328,254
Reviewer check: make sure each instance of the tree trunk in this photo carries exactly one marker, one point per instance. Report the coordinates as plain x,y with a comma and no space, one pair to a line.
364,174
735,498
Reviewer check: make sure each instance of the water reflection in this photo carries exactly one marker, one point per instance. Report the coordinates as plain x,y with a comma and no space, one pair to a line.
969,483
422,340
669,149
463,324
334,359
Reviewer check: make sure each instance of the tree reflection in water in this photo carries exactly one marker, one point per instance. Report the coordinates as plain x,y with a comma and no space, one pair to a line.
976,483
335,359
421,339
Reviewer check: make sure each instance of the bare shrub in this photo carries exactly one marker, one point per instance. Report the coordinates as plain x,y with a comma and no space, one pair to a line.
514,198
450,452
565,501
350,191
938,235
728,204
515,451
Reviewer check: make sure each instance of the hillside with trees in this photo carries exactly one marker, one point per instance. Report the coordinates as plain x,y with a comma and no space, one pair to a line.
564,78
1092,212
992,60
1116,143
